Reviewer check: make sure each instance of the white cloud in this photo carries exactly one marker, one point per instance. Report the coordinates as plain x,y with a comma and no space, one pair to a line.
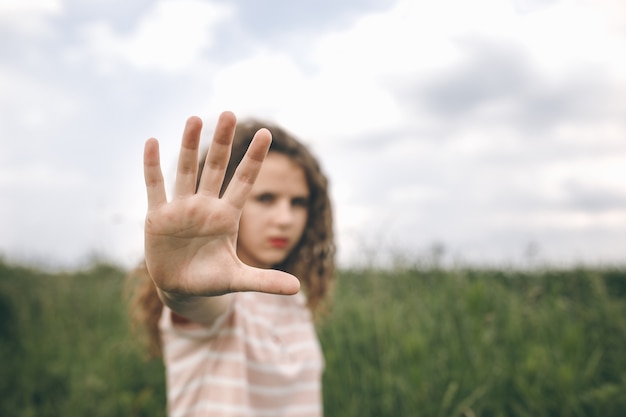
171,37
260,84
19,7
403,171
40,176
413,38
560,219
419,39
29,18
31,105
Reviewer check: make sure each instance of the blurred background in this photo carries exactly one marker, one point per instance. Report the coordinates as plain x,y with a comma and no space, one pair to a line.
477,156
490,131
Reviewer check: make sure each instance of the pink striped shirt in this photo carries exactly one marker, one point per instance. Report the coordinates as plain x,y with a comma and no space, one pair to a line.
260,358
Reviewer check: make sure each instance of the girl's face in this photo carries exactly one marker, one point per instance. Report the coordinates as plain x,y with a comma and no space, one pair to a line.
275,214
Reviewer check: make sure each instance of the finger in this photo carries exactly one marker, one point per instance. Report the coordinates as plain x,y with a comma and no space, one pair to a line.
218,155
187,171
248,169
265,280
152,174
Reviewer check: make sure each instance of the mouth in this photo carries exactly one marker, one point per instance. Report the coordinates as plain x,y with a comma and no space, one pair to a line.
278,242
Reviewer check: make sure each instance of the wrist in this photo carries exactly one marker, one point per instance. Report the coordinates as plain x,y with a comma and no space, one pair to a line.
196,308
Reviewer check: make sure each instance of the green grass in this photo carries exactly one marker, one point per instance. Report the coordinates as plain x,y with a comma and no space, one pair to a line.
67,348
477,343
424,342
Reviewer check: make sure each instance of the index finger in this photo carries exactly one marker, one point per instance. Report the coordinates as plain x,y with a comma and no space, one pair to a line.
248,169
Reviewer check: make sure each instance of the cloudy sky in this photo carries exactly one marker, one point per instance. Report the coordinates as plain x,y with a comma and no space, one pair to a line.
494,129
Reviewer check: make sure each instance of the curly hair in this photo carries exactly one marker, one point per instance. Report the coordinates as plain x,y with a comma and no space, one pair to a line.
313,258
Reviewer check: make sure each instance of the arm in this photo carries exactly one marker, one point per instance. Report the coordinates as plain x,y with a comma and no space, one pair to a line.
190,241
193,308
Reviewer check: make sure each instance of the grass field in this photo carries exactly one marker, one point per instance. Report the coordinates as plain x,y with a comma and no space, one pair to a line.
411,342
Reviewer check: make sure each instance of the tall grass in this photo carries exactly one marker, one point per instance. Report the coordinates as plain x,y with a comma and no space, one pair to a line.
67,348
426,342
477,343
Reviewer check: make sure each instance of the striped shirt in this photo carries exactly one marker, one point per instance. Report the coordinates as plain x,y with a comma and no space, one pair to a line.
260,358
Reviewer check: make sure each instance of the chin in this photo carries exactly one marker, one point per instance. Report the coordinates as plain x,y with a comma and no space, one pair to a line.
275,260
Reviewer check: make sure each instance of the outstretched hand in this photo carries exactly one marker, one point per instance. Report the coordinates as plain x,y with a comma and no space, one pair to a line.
191,241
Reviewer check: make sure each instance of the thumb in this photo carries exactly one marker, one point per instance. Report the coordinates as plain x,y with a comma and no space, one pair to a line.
265,280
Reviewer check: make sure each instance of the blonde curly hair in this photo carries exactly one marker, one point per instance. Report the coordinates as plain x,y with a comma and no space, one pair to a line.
313,258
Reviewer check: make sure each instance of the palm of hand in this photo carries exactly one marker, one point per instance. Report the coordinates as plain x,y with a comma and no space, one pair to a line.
190,242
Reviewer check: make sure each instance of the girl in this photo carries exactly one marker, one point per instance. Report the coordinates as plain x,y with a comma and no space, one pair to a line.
222,301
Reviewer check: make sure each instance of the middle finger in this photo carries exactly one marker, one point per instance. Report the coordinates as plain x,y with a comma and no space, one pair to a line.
219,153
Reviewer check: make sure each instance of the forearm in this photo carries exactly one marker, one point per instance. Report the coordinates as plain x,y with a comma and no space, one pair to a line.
197,309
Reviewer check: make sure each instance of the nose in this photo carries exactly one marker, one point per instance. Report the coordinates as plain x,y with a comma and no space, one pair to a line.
283,214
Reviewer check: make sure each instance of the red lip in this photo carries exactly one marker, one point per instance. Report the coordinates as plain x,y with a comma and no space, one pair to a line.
278,242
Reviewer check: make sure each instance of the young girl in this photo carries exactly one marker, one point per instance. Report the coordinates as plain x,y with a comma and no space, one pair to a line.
220,298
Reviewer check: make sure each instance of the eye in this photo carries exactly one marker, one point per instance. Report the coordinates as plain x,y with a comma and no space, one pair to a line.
265,198
300,202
